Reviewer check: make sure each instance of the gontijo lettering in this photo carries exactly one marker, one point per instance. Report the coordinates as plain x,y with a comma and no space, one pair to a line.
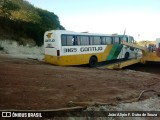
85,49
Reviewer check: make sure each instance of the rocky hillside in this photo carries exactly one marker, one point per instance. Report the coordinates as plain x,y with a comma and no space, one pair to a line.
20,20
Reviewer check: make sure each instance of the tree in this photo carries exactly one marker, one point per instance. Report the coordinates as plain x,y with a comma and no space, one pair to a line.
6,7
49,20
22,20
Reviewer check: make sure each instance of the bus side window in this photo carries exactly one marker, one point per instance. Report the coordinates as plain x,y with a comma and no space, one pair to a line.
125,39
75,40
120,39
131,39
91,40
109,40
64,40
70,40
96,40
79,40
103,40
84,40
116,40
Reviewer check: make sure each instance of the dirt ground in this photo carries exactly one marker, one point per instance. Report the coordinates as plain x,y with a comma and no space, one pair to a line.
31,84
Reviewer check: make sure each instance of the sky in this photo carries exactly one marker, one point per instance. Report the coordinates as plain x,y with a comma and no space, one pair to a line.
140,18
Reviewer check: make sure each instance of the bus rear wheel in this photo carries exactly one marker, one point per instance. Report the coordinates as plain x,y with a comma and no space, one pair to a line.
93,61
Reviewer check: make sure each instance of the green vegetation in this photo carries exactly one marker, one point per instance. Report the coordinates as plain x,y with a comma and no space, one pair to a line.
19,19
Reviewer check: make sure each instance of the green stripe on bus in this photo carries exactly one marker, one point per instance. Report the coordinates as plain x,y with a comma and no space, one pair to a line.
111,52
116,49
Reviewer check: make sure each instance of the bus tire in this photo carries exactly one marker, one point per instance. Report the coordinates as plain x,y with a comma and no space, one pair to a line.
93,61
126,57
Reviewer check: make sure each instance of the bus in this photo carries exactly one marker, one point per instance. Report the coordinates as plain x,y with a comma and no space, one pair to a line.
64,47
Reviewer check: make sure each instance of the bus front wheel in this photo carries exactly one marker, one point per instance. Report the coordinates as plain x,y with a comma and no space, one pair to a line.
93,61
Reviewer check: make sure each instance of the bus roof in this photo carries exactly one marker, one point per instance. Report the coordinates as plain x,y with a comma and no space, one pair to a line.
72,32
82,33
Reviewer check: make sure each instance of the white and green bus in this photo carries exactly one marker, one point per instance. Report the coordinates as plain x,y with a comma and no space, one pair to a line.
64,47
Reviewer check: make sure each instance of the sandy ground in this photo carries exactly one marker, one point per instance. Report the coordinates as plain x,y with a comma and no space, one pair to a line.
31,84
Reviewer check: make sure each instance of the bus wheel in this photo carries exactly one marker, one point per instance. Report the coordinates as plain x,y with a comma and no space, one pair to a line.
126,57
93,61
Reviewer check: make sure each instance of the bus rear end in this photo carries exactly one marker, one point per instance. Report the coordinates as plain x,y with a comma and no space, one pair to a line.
51,46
